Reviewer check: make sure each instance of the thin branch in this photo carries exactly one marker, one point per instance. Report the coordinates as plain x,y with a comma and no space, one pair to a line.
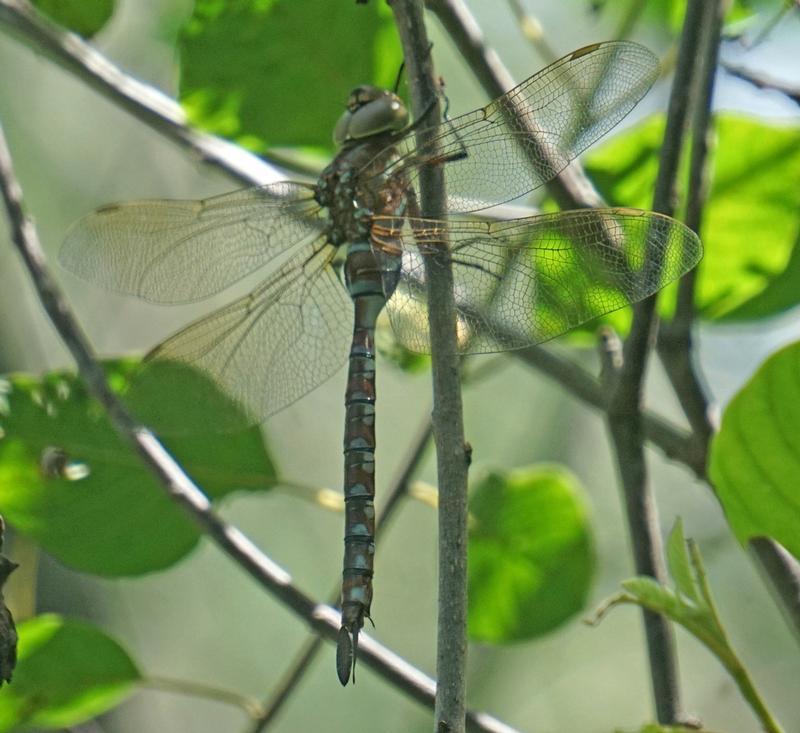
675,345
675,339
288,684
764,81
448,422
174,481
785,7
784,571
571,189
630,18
673,441
246,703
625,390
532,30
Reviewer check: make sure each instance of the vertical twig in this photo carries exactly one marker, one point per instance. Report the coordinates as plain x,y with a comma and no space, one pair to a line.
448,424
625,390
675,338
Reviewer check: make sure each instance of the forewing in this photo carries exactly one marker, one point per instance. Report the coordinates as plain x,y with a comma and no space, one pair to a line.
526,137
181,251
275,345
525,281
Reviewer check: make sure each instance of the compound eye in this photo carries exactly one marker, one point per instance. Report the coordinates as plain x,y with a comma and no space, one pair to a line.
370,111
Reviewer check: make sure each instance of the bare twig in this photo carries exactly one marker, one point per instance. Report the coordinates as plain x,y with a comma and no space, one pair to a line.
763,81
532,30
675,339
673,441
785,7
784,571
630,18
571,189
448,423
174,481
248,704
675,345
625,389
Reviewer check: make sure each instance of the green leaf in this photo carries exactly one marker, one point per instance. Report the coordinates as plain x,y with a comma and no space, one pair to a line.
750,223
69,482
779,294
755,458
531,561
679,566
701,620
669,13
244,76
650,593
68,672
84,17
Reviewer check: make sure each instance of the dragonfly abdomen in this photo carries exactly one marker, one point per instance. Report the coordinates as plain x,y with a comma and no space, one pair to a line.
365,285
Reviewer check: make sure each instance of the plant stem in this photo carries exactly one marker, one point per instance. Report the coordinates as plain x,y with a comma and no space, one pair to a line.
250,705
625,387
725,653
749,692
448,425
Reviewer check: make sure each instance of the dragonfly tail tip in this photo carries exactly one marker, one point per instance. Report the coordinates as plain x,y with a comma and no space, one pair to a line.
345,656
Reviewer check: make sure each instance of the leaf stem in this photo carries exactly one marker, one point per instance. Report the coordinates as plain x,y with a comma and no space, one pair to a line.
725,653
250,705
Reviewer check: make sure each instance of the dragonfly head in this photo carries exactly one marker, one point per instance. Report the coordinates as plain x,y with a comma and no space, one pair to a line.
370,111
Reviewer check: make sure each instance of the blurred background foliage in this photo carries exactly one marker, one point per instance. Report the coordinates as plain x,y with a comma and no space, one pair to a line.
548,540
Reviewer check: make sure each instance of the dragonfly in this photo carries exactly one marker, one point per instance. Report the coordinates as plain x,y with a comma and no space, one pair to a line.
334,255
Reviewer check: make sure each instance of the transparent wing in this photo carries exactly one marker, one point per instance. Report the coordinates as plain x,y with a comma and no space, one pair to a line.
489,158
275,345
181,251
525,281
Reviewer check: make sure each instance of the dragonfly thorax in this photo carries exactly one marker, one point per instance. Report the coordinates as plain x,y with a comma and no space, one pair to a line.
359,184
360,181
